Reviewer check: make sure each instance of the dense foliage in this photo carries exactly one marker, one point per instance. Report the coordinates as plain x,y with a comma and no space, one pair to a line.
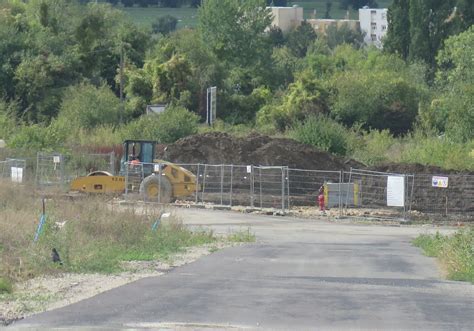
60,79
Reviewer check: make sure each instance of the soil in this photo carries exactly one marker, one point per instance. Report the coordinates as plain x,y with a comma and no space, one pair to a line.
255,149
416,168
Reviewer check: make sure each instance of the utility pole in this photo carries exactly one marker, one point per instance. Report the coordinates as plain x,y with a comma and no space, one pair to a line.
122,104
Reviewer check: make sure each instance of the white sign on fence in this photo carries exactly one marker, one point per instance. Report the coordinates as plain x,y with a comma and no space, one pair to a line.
56,159
249,169
438,181
396,191
17,174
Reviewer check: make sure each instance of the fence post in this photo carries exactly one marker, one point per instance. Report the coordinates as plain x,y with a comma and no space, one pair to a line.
231,182
252,187
159,182
203,182
288,186
197,183
340,192
282,189
260,187
112,163
126,180
222,183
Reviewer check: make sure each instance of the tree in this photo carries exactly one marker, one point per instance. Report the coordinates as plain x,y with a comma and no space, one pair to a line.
398,35
356,4
344,34
236,30
418,28
327,15
165,24
301,38
453,110
377,100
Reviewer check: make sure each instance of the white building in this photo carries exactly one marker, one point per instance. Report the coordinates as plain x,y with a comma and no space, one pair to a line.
374,23
287,18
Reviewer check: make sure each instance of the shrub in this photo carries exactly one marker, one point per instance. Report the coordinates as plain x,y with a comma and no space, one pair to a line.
437,151
86,106
167,127
375,147
322,132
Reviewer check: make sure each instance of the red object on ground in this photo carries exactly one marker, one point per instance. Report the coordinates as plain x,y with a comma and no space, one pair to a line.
321,202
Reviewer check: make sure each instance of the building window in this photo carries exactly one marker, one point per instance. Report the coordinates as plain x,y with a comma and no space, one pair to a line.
384,27
373,37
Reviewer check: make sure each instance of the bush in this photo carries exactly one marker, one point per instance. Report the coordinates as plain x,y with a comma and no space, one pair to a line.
437,151
165,24
323,133
378,100
167,127
86,106
375,147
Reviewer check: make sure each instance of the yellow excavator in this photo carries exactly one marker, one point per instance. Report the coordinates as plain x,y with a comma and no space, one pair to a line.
160,181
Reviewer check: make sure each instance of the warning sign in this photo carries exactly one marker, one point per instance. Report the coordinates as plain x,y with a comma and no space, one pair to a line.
438,181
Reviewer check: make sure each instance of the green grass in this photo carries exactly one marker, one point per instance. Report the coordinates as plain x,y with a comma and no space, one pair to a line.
187,17
455,252
5,286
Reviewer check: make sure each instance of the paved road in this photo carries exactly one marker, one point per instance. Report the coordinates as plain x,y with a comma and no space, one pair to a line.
300,274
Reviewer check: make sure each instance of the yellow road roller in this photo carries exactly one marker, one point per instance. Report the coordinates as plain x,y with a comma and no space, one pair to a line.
159,180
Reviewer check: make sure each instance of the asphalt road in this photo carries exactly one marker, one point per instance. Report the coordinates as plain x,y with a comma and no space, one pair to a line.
300,275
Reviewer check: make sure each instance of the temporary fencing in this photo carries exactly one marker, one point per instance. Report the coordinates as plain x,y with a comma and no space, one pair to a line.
13,170
56,170
358,192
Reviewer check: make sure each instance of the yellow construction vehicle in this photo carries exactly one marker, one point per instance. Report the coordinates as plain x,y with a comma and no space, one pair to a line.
160,181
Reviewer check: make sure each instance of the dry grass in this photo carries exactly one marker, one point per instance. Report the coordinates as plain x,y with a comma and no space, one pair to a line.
89,236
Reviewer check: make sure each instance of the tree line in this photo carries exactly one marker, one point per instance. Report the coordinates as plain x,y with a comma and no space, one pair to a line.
60,76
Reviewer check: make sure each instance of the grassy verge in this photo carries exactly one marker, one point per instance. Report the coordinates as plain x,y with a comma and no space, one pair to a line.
455,252
88,234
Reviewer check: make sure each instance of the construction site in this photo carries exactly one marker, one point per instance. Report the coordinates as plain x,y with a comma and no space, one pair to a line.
254,174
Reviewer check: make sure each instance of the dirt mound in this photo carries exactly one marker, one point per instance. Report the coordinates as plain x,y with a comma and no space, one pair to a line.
416,168
255,149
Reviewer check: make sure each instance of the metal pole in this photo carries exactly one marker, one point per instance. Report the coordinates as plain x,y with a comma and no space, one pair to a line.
222,183
252,187
340,193
126,180
122,101
260,179
204,183
288,186
197,184
231,182
282,190
159,181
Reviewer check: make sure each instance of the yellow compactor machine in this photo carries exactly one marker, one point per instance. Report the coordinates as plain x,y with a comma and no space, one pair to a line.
162,181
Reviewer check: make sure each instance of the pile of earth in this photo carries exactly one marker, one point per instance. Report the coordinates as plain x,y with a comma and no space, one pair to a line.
416,168
255,149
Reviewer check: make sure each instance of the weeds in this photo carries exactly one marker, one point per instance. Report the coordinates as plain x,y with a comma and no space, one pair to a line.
455,252
89,236
243,236
5,286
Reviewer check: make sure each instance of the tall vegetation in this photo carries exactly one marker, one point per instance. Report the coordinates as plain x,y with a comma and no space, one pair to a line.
60,78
